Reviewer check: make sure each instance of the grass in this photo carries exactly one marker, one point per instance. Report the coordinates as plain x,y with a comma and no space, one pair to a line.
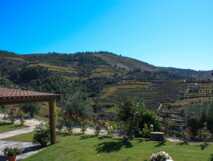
76,148
5,127
24,137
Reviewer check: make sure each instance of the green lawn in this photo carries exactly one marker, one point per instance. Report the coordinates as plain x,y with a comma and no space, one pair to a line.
75,148
4,127
24,137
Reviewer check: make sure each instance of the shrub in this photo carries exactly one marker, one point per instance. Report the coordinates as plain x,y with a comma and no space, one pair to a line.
160,156
204,145
146,131
10,152
135,119
42,135
30,109
211,157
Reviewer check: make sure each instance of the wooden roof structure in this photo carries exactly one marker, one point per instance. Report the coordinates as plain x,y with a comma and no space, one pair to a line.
14,96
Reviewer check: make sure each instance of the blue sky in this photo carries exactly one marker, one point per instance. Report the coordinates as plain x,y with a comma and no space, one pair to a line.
176,33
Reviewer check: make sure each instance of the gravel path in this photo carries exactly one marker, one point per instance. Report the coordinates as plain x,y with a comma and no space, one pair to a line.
16,132
27,147
31,124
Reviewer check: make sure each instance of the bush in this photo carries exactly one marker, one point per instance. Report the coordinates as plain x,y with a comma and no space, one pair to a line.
204,145
160,156
146,131
135,119
211,157
30,109
10,152
42,135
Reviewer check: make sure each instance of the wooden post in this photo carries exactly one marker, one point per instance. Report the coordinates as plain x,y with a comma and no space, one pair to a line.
52,122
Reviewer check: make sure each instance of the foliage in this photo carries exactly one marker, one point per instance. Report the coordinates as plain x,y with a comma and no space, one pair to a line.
134,118
76,109
98,124
211,157
4,82
210,119
2,109
21,117
30,108
28,74
160,156
146,131
110,126
195,125
204,145
9,152
12,115
200,123
42,135
203,114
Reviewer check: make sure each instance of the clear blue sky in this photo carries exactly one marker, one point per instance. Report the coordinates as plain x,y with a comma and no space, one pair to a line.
176,33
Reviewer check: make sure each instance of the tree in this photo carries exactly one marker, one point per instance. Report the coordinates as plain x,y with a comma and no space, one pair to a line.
210,119
28,74
20,115
195,126
42,135
30,109
134,118
4,82
77,109
2,109
12,115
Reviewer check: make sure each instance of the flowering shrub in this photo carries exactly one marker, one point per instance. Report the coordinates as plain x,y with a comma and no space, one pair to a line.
42,135
161,156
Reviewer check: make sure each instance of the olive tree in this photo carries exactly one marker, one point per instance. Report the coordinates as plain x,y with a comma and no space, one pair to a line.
135,119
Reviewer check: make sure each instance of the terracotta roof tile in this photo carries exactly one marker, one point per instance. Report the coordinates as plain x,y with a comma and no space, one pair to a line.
16,95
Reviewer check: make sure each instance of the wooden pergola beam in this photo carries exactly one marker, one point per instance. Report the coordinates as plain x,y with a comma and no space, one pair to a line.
52,122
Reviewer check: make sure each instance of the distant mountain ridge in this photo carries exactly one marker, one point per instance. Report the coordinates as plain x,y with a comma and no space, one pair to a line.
111,59
125,62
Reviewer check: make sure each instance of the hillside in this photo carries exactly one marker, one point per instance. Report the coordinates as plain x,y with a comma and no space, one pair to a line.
106,77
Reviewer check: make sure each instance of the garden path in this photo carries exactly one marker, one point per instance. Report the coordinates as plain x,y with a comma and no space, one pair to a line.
28,147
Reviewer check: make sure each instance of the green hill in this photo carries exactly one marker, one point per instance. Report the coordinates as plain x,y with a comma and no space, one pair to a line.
107,77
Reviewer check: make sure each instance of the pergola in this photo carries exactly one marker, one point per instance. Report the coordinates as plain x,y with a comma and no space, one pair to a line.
16,96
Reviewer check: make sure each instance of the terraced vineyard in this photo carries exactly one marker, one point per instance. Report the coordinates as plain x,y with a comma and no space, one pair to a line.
106,77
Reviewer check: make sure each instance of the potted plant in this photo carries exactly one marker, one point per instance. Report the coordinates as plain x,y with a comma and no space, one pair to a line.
11,153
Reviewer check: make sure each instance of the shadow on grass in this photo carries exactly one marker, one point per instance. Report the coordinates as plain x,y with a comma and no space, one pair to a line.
83,137
140,140
113,146
161,143
203,146
104,137
183,143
